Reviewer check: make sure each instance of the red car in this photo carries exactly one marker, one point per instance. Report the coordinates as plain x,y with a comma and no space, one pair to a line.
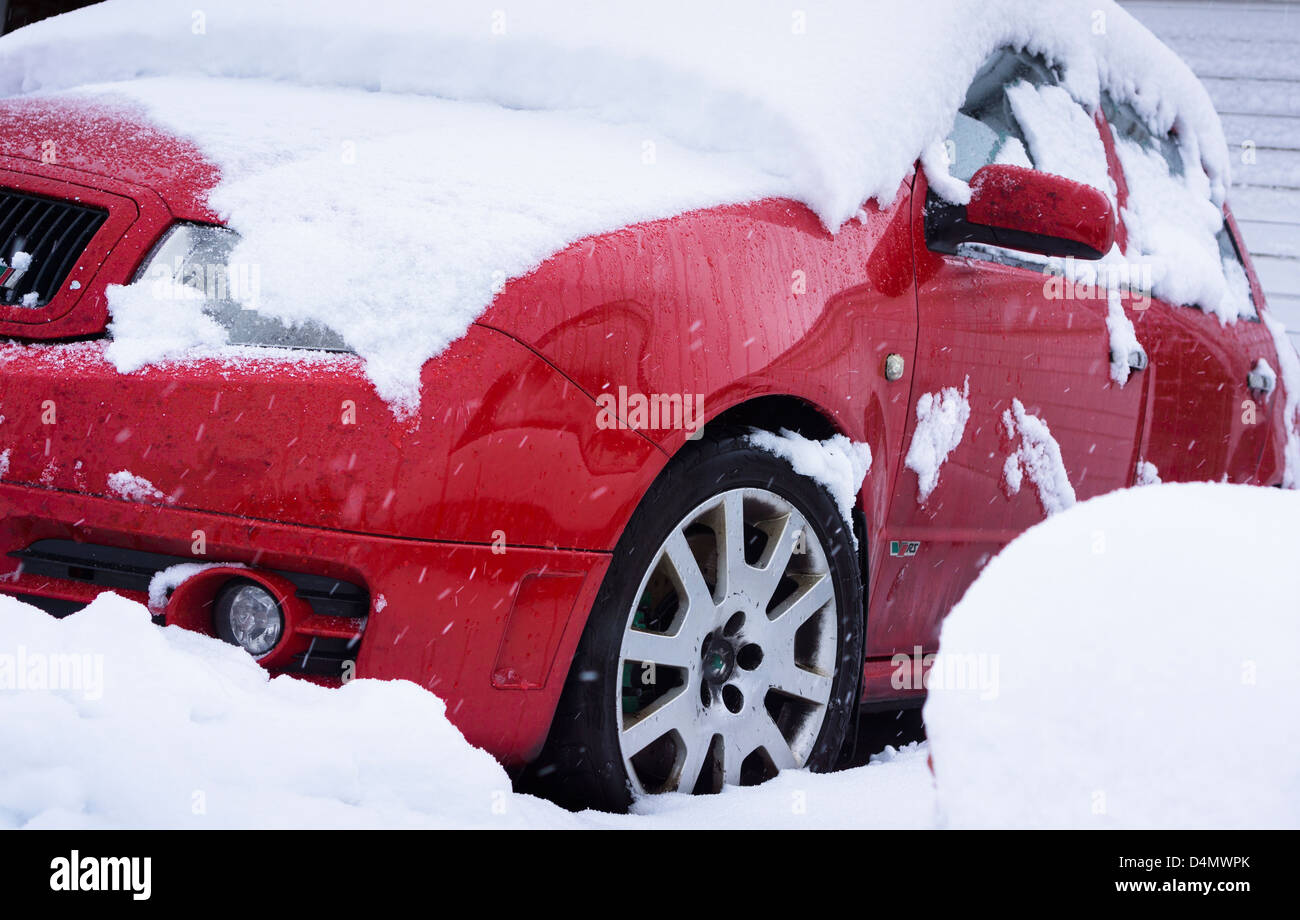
588,556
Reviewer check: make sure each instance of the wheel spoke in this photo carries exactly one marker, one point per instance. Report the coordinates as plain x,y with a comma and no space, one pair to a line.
772,741
798,608
806,685
767,575
733,755
697,748
699,602
674,712
731,546
677,651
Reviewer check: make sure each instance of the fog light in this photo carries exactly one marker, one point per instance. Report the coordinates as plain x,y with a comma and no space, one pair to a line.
247,615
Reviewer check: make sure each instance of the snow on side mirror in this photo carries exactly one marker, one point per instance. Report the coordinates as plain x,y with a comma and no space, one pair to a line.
1027,210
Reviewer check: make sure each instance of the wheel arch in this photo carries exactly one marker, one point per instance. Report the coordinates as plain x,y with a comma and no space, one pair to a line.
773,413
778,411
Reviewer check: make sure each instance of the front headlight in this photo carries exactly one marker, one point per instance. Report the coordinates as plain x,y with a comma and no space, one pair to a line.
193,262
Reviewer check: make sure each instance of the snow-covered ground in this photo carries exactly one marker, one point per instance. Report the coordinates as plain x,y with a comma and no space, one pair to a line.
1129,662
152,727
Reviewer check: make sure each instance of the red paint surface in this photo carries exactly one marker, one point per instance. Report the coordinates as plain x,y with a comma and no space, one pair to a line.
1016,198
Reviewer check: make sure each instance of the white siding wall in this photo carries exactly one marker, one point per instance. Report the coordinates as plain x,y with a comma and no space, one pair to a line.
1247,52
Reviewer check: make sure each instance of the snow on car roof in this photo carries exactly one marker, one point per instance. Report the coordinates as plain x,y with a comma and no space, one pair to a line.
389,164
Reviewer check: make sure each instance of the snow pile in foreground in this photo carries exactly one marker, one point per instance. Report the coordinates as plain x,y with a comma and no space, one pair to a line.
156,727
1145,647
110,721
394,219
1130,664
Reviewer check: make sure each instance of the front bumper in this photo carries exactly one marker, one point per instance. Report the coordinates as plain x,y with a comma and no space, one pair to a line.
476,534
489,629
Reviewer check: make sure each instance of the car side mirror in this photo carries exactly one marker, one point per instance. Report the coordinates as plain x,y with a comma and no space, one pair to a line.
1017,208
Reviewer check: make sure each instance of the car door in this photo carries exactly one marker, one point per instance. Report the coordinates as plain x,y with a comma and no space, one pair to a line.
1015,356
1209,421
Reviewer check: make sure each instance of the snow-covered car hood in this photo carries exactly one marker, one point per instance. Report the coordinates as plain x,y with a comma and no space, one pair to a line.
420,155
110,141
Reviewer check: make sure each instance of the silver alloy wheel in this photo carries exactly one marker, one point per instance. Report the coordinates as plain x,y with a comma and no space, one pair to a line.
728,655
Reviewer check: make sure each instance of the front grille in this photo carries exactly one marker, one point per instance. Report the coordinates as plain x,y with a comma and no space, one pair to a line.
41,240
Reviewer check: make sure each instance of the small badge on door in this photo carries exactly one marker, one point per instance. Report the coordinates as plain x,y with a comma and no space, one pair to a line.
903,547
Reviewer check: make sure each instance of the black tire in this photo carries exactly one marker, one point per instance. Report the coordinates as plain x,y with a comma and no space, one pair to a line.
581,765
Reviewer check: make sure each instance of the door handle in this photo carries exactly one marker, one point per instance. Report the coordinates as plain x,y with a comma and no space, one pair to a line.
1137,359
1259,380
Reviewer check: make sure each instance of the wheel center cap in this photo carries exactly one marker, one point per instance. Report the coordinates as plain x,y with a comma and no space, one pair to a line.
719,658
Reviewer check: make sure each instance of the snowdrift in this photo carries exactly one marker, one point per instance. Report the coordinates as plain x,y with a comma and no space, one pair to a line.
1144,647
150,727
1140,647
109,721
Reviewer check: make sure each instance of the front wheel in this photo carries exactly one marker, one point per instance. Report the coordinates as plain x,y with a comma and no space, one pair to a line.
725,643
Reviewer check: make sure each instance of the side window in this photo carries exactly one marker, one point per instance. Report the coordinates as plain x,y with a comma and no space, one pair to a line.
1017,113
1173,224
1234,273
1126,126
986,130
